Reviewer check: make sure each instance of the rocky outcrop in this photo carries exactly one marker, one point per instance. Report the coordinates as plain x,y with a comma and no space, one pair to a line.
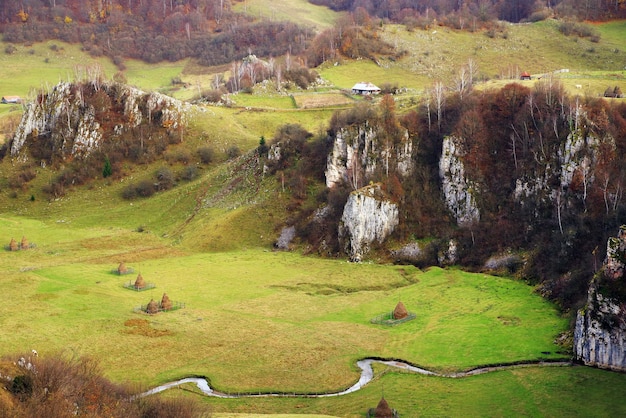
368,217
458,190
76,117
358,152
600,332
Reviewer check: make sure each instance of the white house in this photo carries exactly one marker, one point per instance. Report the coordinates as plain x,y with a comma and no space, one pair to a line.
365,88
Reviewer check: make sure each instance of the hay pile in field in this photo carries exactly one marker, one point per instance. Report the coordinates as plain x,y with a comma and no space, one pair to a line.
166,303
140,283
400,311
13,245
24,245
383,410
152,307
122,269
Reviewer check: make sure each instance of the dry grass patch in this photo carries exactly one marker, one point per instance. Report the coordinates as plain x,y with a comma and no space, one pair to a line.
308,101
144,328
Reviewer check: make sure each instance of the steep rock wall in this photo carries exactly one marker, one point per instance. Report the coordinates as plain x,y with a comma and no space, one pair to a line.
600,332
358,152
368,217
458,190
68,114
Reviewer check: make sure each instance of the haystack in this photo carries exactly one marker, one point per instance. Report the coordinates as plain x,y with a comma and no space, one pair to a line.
400,311
13,245
140,283
122,269
152,307
25,245
383,410
166,303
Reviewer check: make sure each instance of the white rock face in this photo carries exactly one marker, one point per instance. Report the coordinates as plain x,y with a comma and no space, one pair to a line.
578,154
595,342
600,333
458,190
575,161
357,153
367,218
65,115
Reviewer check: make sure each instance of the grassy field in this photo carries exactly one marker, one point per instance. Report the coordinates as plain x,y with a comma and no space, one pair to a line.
300,11
548,392
257,315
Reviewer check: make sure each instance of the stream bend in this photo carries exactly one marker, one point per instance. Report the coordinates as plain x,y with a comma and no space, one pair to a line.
367,374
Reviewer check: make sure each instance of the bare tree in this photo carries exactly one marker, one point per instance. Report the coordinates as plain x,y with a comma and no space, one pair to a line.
427,100
462,82
472,68
439,96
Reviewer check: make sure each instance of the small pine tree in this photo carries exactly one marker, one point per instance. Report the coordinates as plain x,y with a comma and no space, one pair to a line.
262,146
107,170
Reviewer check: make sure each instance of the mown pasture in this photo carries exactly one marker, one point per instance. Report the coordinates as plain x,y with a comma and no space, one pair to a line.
253,316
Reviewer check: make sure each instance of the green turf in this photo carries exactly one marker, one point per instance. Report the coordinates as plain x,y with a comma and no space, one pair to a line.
546,392
300,11
253,317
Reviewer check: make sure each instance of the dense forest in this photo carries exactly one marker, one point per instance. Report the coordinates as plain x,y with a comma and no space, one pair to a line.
152,31
483,10
211,32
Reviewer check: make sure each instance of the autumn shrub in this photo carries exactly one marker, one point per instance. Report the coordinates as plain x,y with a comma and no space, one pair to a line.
66,386
206,155
165,178
300,76
189,173
145,188
22,177
361,113
54,189
233,152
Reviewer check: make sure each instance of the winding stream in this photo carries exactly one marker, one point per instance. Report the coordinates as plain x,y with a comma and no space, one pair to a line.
367,374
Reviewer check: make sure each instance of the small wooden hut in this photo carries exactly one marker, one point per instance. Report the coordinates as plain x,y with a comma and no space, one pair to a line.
24,245
525,76
140,283
166,303
400,311
13,245
152,307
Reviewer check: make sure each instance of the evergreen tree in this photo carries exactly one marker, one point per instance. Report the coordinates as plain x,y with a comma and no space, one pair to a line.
107,170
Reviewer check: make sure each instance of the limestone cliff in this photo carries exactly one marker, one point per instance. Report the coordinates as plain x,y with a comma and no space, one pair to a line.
600,332
76,117
368,217
458,190
358,152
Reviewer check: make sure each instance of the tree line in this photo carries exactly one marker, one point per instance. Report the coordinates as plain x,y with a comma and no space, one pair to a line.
482,10
150,30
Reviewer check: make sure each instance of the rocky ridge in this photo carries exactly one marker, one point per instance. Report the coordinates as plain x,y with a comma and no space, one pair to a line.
600,331
75,116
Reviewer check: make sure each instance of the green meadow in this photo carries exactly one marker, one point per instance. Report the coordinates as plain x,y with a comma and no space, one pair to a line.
257,314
